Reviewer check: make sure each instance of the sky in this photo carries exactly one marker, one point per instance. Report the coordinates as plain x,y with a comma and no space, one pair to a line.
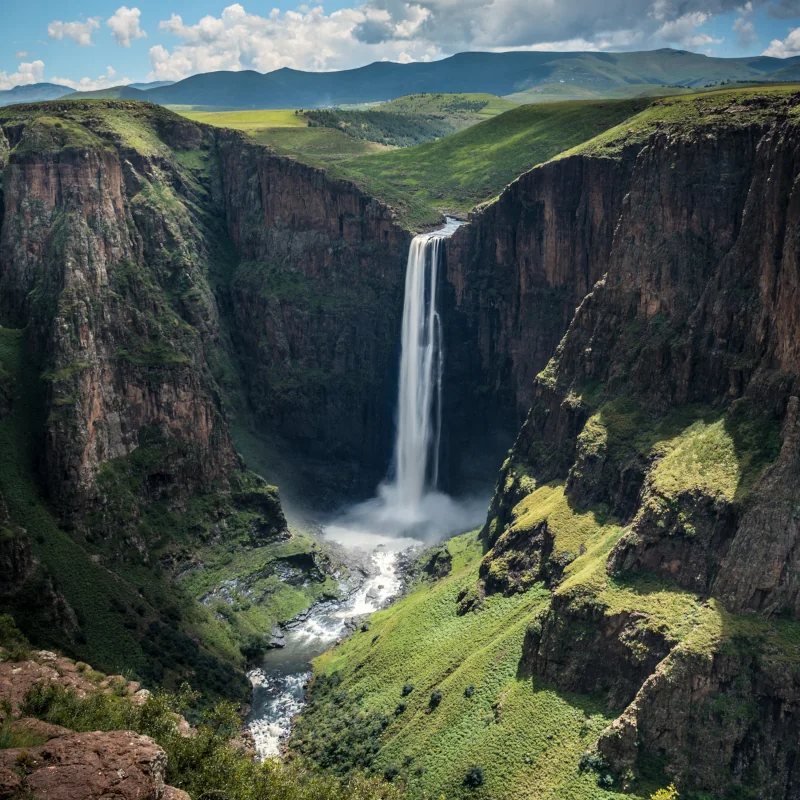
89,44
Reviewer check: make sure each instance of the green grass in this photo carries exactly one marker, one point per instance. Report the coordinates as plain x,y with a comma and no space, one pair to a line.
550,92
465,108
250,120
315,146
526,737
458,172
726,107
287,132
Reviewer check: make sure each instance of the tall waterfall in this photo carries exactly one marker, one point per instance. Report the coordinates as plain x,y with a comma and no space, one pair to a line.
419,399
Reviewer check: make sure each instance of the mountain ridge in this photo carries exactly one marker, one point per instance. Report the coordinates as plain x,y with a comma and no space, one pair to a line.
495,73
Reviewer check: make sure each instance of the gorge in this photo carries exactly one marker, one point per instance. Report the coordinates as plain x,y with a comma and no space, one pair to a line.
189,318
407,511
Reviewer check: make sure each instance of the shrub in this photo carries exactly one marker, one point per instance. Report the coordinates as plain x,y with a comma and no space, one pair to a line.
474,777
605,781
592,762
407,689
469,691
209,763
436,698
401,707
670,793
12,639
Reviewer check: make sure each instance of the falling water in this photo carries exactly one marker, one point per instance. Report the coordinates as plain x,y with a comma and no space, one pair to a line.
419,401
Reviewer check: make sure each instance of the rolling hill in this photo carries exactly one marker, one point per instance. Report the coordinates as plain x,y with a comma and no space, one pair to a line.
454,174
602,74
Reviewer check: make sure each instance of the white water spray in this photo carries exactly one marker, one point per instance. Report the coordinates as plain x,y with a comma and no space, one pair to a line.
419,401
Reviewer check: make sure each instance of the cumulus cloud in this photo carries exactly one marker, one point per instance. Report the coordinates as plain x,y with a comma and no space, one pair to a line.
743,26
683,31
21,54
372,30
124,26
790,46
27,73
302,39
79,32
104,81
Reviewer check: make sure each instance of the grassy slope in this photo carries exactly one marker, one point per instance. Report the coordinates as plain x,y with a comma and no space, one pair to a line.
704,109
527,737
470,167
288,134
550,92
472,107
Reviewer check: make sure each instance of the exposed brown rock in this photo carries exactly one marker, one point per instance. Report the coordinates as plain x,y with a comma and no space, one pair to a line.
84,766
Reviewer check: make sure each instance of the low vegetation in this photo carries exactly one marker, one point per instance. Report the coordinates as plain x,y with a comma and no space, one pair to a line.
395,130
458,172
212,762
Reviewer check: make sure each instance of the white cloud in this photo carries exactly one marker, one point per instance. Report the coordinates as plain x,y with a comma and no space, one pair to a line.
27,72
683,31
108,78
790,46
21,54
743,26
79,32
307,39
124,26
416,30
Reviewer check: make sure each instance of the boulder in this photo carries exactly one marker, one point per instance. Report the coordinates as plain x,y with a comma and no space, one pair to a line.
85,766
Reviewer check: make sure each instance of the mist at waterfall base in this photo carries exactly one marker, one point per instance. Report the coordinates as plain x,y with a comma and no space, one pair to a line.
407,508
406,512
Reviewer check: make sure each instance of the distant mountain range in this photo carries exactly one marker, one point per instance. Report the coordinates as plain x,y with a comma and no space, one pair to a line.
38,92
495,73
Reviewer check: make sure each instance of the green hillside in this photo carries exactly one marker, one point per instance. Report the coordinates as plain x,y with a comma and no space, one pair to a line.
525,738
456,173
550,92
287,132
474,106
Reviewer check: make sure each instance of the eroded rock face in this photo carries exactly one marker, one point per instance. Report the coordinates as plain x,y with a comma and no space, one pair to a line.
761,570
84,766
717,722
693,326
316,307
515,275
84,261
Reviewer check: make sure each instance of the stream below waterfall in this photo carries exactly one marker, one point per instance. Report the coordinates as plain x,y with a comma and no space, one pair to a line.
407,512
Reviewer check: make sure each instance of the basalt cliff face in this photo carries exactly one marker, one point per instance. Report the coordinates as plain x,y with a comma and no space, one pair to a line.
159,279
666,424
316,306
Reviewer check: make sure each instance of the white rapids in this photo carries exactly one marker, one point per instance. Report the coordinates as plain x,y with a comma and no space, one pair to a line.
407,510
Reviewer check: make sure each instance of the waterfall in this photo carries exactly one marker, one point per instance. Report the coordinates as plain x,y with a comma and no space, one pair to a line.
419,398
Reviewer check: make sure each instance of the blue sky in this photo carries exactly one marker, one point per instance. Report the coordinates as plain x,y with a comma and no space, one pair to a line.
95,44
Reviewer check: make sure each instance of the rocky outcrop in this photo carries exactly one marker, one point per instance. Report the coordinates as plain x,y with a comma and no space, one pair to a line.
582,648
85,766
717,724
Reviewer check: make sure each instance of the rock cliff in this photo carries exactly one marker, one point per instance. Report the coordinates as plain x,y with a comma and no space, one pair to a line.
666,420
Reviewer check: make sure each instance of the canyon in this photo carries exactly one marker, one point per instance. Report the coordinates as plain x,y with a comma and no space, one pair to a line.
189,318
